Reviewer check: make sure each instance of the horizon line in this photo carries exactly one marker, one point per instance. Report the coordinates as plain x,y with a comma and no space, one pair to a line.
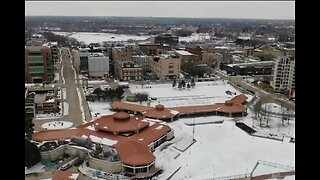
158,17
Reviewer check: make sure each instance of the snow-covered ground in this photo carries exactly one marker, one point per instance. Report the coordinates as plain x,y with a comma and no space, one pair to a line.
274,108
64,93
54,125
98,109
65,108
81,106
38,168
89,37
47,115
275,125
220,150
195,37
203,93
63,81
262,169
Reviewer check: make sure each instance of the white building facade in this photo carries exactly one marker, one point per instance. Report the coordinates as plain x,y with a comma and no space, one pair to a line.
284,75
98,65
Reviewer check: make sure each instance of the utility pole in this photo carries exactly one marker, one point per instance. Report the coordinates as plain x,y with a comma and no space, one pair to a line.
193,128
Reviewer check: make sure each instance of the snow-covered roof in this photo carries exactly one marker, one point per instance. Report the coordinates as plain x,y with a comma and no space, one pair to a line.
184,53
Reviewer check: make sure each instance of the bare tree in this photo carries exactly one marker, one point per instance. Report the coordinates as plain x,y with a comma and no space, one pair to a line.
289,115
257,110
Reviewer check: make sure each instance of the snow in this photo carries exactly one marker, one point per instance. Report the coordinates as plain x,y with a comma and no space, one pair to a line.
275,125
108,142
91,173
104,141
63,81
74,176
47,115
81,106
289,178
221,150
174,112
265,169
91,128
184,142
64,93
89,37
38,168
195,37
54,125
159,127
65,108
103,108
204,120
203,93
56,76
274,108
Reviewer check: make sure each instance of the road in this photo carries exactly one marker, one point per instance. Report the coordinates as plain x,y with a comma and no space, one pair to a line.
238,81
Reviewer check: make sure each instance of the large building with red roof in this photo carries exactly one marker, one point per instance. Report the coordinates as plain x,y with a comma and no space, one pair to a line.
132,138
232,108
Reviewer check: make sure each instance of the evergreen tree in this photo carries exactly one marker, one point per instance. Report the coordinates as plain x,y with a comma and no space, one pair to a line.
28,125
32,154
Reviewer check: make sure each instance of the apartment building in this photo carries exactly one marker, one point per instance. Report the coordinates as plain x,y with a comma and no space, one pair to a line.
166,66
284,75
38,64
129,71
142,60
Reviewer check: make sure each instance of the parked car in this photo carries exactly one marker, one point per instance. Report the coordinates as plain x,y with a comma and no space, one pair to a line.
65,167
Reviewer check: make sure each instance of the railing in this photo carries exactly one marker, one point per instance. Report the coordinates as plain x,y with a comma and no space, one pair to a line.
276,165
233,177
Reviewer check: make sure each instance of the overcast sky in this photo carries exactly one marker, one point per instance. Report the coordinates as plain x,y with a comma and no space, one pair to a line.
205,9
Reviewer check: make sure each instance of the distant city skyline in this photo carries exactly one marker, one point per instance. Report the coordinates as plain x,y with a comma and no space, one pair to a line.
187,9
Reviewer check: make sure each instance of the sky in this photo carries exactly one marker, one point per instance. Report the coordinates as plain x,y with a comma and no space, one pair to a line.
192,9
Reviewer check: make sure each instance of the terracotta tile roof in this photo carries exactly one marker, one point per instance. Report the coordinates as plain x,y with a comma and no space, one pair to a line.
129,106
154,132
230,106
239,99
159,112
134,153
56,134
219,107
120,123
63,175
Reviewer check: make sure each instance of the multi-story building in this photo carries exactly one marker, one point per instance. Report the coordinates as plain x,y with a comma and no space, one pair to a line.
167,39
130,71
98,65
212,58
38,64
195,49
252,68
284,75
149,48
142,60
82,60
166,66
54,50
121,54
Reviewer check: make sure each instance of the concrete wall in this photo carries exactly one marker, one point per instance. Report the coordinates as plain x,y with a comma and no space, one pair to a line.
170,135
103,165
53,154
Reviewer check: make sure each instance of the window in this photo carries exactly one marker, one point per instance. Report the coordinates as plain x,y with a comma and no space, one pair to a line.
171,66
171,71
